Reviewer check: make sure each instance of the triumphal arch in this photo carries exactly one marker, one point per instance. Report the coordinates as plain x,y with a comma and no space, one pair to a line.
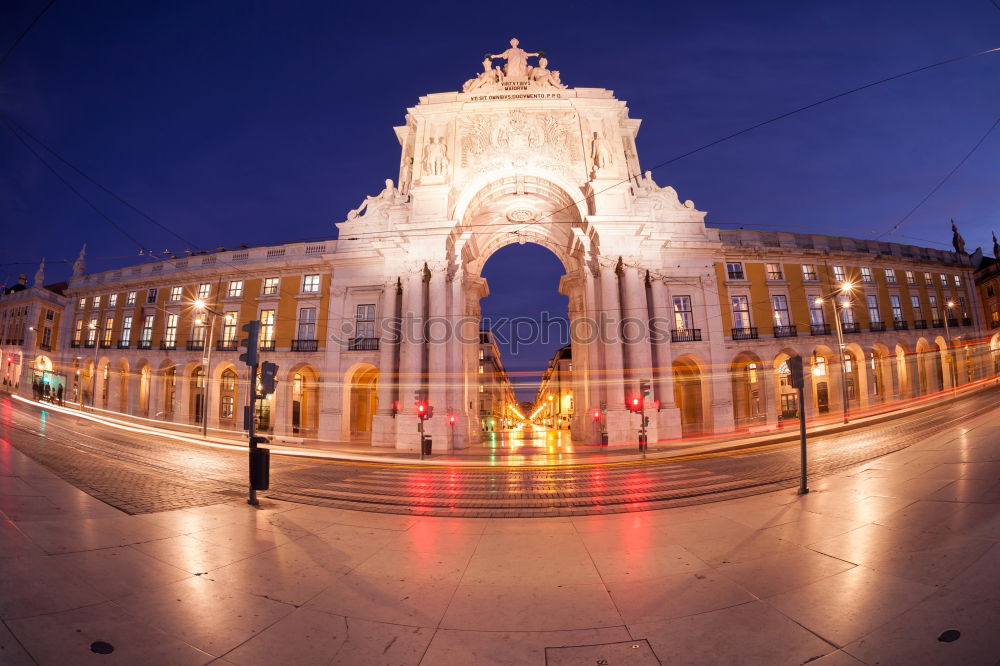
518,156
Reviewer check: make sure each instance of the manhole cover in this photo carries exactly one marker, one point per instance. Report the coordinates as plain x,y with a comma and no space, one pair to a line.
949,636
626,653
102,647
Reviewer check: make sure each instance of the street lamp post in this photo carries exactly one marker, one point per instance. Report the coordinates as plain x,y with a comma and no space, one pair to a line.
93,372
949,358
200,305
845,288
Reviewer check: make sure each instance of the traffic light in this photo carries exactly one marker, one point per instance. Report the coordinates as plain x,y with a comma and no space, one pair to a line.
268,377
635,404
422,411
252,329
597,414
430,411
795,368
451,420
645,389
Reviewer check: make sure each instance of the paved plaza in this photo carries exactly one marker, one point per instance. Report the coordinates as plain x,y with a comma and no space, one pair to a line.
883,563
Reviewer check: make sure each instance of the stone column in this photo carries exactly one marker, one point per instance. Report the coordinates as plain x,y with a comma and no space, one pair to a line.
384,422
769,383
410,358
462,334
609,320
281,407
669,418
436,335
637,345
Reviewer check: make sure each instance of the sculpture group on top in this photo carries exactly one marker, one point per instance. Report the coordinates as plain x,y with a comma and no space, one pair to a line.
516,74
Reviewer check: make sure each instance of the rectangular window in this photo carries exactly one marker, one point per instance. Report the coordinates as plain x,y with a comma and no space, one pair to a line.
779,302
910,278
774,272
897,307
146,334
838,274
958,280
310,284
229,329
944,280
198,331
81,304
809,272
866,275
734,270
92,331
741,311
961,306
50,315
176,293
126,331
928,280
77,331
364,322
226,407
995,314
235,289
935,313
170,332
113,300
915,304
109,324
874,316
204,291
267,328
847,315
46,337
990,292
151,296
307,324
97,302
817,315
270,286
890,276
683,315
130,298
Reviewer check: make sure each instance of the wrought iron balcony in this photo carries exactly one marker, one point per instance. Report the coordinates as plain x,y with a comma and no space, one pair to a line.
919,323
900,325
685,335
966,321
785,331
44,347
89,345
167,345
123,344
225,345
851,327
362,344
819,329
196,345
266,345
75,344
876,326
305,345
105,344
144,344
937,323
952,322
748,333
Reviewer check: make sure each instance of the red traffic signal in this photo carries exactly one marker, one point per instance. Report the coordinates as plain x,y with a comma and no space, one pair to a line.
635,404
451,419
424,411
597,415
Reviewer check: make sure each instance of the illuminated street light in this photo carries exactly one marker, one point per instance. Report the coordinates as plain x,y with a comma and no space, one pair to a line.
200,304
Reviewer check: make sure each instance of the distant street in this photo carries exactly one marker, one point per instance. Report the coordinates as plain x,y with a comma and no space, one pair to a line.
142,473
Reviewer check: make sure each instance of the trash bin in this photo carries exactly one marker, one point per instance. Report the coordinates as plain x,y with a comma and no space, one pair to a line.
426,446
604,439
260,468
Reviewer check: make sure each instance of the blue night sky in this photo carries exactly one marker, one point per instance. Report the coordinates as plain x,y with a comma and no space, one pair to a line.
253,122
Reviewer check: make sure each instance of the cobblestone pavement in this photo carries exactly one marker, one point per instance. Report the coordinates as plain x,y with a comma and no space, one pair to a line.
144,474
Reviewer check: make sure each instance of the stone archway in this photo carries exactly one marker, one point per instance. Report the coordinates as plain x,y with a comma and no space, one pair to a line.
689,389
749,397
361,402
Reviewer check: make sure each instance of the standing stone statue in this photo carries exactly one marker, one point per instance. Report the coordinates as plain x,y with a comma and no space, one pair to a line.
517,60
957,240
602,151
436,157
996,247
80,265
40,274
405,174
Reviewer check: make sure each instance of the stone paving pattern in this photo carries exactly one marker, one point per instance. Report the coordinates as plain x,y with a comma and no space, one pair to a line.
872,567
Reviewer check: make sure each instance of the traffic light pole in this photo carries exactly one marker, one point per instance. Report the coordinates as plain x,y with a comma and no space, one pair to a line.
251,423
803,488
420,429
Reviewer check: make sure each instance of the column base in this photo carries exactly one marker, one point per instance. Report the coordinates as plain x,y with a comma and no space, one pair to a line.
384,431
668,422
407,437
622,427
